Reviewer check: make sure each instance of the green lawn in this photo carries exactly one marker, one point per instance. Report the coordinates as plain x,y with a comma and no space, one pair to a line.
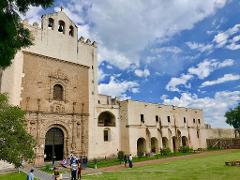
210,167
13,176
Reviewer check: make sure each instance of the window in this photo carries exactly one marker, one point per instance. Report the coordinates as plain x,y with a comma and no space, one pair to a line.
71,31
142,118
99,102
199,121
58,92
184,120
168,119
61,26
106,134
106,119
194,121
156,118
50,23
197,133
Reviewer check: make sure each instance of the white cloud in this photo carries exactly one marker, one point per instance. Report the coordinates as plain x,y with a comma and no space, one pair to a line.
142,73
204,68
229,39
174,82
167,49
33,14
213,108
101,75
199,46
225,78
116,88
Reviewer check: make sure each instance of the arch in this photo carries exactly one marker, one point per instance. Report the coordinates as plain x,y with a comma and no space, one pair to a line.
61,26
54,144
174,143
71,31
58,92
165,142
184,141
51,23
179,133
106,134
141,146
106,118
154,145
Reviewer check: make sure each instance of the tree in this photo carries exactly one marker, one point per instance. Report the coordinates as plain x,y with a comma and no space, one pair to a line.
15,143
233,118
13,35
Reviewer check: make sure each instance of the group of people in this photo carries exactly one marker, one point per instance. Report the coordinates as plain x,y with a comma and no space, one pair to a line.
129,160
75,167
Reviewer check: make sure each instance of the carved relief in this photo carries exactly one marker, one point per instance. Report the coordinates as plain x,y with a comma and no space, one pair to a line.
57,108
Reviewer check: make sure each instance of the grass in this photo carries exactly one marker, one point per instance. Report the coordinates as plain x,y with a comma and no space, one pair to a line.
13,176
112,162
196,168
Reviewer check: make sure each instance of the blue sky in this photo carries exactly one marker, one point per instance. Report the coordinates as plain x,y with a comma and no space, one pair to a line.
183,53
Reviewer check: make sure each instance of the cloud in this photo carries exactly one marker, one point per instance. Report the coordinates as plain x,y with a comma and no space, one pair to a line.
228,39
225,78
33,14
199,46
174,82
142,73
213,108
101,75
116,88
168,49
204,68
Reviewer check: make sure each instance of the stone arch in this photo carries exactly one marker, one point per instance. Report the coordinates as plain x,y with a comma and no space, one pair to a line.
141,146
106,118
165,142
154,145
66,131
54,144
51,23
184,141
174,143
71,31
61,26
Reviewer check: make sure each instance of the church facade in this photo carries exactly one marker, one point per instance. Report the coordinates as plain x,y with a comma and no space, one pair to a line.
55,82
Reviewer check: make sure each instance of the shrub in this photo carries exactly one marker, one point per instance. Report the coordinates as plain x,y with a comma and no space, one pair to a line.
165,151
185,149
120,156
140,154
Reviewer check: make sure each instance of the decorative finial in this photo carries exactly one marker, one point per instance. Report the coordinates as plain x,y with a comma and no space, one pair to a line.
61,8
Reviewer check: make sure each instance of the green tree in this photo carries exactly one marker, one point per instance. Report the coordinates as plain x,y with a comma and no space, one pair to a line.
15,143
13,36
233,118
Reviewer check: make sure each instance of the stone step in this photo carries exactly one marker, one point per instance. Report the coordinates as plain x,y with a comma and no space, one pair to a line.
4,165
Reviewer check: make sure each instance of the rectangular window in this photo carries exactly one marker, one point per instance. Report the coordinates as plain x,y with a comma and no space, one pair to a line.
105,134
168,119
199,121
184,120
156,118
142,118
194,121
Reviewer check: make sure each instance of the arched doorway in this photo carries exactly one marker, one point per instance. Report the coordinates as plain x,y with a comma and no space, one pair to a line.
184,141
174,140
165,142
154,145
54,144
141,146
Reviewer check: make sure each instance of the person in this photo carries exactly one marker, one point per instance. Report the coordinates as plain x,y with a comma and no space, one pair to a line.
56,174
79,170
30,175
130,161
74,170
125,160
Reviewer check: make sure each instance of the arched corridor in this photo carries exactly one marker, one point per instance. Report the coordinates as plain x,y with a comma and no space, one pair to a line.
154,145
141,146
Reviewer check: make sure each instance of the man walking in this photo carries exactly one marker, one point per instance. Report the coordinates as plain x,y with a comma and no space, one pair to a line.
30,175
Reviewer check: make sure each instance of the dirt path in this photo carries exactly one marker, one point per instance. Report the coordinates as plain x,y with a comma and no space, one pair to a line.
164,160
